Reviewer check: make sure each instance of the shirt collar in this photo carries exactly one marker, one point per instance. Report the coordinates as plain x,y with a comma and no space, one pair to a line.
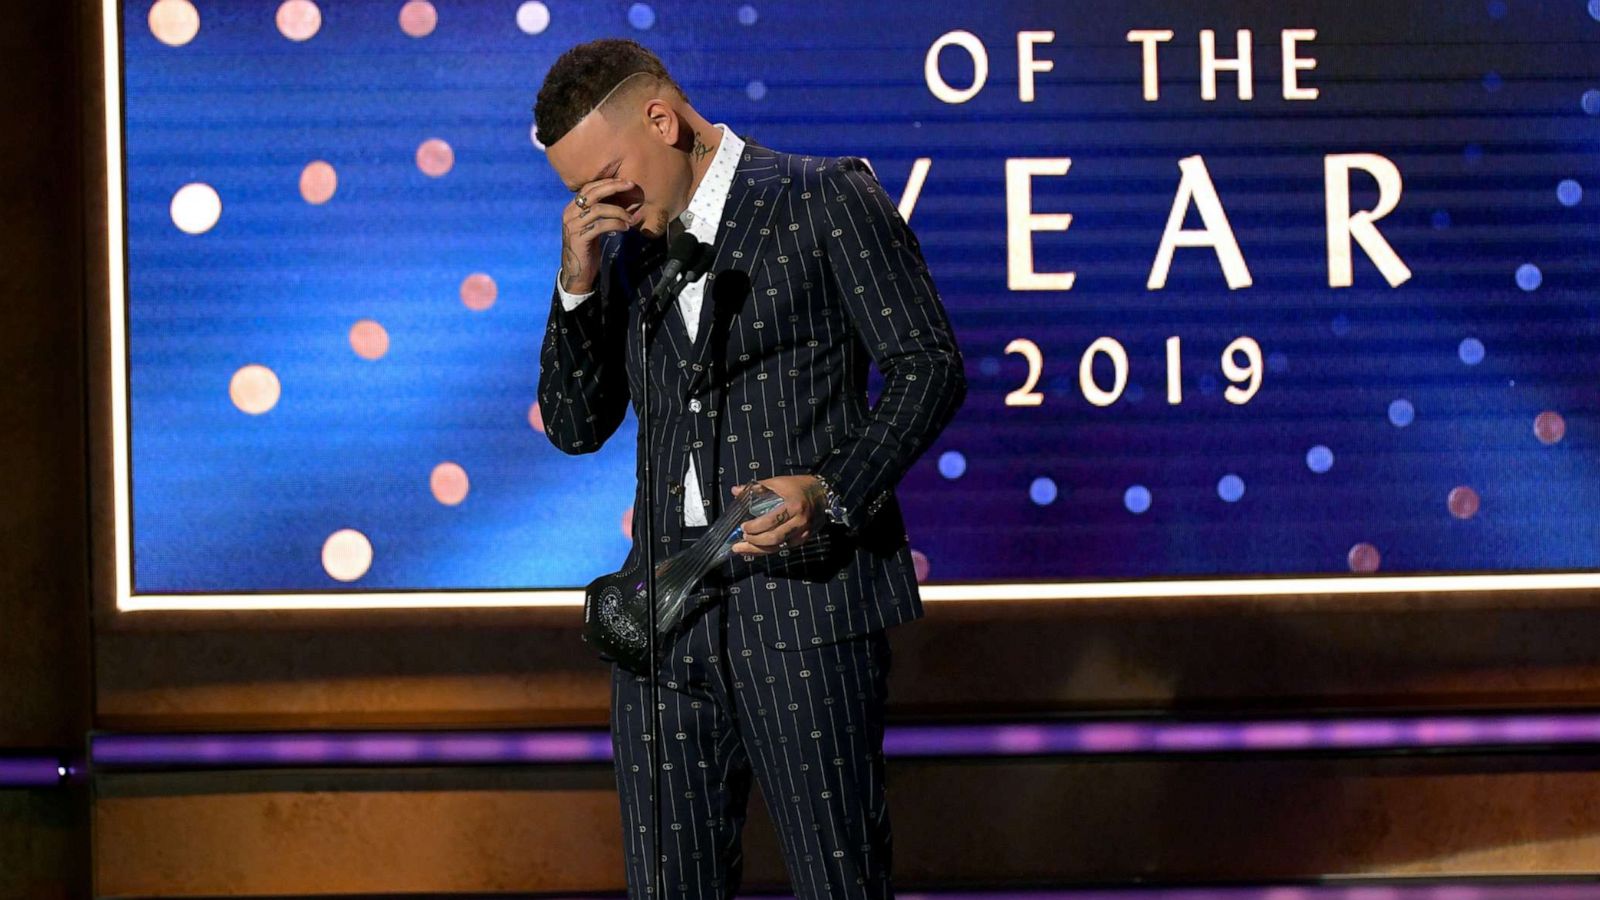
705,207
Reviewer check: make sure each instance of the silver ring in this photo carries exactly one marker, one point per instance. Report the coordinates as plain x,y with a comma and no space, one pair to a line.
582,201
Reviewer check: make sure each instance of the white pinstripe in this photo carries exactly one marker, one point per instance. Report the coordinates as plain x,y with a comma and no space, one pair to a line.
816,278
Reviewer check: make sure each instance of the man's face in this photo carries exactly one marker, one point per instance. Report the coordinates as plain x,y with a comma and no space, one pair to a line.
635,144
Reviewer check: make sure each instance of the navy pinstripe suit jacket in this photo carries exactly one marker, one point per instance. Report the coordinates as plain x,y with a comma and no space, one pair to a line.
815,277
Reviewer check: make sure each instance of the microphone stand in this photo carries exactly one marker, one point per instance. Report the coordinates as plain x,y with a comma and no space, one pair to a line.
647,534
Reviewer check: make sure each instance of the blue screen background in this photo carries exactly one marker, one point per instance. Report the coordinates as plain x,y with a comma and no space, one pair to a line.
1491,112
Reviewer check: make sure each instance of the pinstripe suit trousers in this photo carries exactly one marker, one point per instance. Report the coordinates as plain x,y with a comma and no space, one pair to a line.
808,723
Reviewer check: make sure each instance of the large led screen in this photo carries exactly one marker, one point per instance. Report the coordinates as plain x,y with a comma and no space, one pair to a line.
1246,291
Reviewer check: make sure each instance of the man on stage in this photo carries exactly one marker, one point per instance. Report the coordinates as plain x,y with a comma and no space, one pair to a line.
758,372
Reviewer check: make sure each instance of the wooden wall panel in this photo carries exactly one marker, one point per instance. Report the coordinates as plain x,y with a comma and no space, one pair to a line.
1000,659
44,596
180,835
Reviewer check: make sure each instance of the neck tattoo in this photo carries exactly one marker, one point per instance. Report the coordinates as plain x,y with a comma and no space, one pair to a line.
699,150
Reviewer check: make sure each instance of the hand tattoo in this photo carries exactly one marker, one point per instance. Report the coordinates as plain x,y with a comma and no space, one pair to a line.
815,495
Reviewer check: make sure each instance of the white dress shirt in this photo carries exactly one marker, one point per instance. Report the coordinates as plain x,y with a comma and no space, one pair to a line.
701,219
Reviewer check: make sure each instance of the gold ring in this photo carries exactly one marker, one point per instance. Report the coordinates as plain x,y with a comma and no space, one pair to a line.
582,201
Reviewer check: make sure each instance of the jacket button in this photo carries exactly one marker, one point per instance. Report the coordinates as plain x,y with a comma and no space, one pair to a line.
694,406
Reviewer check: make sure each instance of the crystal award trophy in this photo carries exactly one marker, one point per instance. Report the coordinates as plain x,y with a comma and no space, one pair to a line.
616,611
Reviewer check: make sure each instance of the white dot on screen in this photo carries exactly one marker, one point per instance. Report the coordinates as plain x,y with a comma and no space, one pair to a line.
748,15
533,135
1042,491
1594,10
299,20
533,17
1529,277
1569,192
755,90
1230,488
1471,351
174,22
254,389
1590,101
1136,499
1401,413
952,464
196,208
641,16
919,565
346,555
1319,459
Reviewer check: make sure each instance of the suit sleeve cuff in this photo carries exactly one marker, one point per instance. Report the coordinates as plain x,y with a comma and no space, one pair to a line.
569,300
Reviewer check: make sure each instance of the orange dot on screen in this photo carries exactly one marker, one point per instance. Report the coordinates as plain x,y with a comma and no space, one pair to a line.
919,565
346,555
254,389
174,22
478,291
435,158
536,417
299,20
449,483
369,339
318,181
1463,502
418,18
1364,557
1549,427
627,523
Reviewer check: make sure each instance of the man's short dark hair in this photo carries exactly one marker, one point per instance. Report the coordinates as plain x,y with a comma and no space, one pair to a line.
583,76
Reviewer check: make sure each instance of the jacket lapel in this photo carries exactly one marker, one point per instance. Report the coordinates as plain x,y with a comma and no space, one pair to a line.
746,224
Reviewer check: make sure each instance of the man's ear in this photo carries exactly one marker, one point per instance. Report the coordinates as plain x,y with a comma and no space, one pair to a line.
663,121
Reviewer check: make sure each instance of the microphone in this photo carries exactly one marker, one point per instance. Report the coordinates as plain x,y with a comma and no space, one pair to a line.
686,257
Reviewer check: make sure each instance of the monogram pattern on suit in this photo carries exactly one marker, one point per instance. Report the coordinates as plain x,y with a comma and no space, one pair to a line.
815,278
808,724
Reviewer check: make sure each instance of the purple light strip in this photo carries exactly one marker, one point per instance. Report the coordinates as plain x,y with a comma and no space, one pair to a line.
37,770
1367,890
1278,736
1016,740
351,749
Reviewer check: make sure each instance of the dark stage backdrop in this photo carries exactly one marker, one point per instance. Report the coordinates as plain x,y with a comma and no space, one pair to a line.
1318,300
